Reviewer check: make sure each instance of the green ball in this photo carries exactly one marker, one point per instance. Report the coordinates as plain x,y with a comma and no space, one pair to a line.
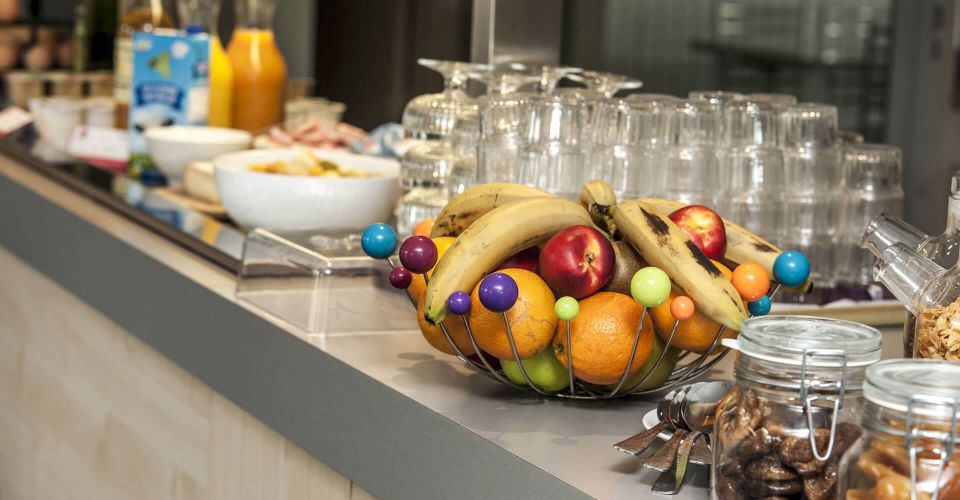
567,308
650,286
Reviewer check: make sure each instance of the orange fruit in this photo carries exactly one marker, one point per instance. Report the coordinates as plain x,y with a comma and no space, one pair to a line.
418,286
438,340
423,228
694,334
602,336
532,318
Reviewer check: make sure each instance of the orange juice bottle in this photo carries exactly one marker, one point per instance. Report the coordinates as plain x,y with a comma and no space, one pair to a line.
221,86
202,16
259,71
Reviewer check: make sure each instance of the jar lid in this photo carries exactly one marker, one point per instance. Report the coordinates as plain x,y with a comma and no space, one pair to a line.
933,386
822,342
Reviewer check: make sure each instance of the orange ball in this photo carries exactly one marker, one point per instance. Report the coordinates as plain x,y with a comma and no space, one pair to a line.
682,308
423,228
751,281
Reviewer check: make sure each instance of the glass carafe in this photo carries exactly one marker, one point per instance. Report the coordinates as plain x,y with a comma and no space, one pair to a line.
943,249
928,291
133,16
259,70
201,16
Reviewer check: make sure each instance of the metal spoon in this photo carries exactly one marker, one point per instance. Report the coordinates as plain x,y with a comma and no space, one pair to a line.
638,443
663,458
697,414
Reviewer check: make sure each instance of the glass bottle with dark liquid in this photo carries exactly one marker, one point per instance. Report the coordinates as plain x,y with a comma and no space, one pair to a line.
134,15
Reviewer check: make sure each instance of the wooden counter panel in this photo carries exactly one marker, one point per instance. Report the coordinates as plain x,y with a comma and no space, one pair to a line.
89,411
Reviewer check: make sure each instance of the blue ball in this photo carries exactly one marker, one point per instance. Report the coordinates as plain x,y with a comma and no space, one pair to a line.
498,292
760,307
791,268
379,241
459,303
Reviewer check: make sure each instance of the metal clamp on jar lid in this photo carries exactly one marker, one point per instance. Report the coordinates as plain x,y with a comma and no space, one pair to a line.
812,355
926,394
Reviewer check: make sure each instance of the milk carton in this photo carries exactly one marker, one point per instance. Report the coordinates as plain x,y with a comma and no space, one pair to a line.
170,86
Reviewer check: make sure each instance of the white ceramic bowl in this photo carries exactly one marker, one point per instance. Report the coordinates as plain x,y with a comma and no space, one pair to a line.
172,148
289,203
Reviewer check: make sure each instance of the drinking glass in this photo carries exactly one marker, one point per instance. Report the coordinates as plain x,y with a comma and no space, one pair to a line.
503,79
718,98
436,116
549,76
773,98
810,125
751,124
502,138
691,175
695,123
426,171
553,158
872,179
650,97
624,147
754,192
604,83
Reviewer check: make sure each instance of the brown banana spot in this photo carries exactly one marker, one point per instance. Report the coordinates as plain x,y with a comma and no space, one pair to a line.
702,260
763,247
656,224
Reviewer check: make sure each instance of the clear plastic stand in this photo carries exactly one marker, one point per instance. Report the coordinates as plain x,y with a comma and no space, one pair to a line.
320,283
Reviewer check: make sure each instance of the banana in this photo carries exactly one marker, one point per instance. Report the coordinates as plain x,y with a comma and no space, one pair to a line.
661,243
465,208
495,236
600,200
742,244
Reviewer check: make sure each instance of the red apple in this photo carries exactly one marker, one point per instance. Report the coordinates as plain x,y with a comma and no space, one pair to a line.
577,261
704,227
526,259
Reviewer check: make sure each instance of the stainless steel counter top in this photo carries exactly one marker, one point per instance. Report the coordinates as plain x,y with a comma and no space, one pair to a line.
385,410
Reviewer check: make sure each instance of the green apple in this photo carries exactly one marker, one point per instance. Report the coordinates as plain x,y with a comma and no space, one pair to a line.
543,369
659,377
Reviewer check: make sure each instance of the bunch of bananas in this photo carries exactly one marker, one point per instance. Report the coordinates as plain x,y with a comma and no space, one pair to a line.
494,221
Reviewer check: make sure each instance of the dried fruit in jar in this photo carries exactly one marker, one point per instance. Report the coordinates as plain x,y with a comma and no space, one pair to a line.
938,335
760,443
823,485
739,415
769,468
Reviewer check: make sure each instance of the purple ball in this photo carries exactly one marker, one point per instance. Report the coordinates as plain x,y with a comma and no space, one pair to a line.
498,292
400,277
418,254
459,303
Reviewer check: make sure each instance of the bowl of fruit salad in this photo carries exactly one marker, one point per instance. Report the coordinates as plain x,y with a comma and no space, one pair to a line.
299,189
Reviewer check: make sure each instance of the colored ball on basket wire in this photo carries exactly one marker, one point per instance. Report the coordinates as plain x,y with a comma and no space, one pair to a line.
418,254
760,307
650,286
400,277
459,303
567,308
379,240
751,281
498,292
791,268
682,308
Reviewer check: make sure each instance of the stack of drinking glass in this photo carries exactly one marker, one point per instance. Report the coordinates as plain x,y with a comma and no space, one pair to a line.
778,167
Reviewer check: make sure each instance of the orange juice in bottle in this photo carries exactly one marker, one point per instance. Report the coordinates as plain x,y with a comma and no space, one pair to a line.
202,16
259,71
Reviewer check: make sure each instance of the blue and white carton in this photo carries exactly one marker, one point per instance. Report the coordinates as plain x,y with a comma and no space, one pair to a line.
170,86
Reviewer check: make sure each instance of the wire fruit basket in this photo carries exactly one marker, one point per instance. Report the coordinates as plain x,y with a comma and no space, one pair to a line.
650,287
